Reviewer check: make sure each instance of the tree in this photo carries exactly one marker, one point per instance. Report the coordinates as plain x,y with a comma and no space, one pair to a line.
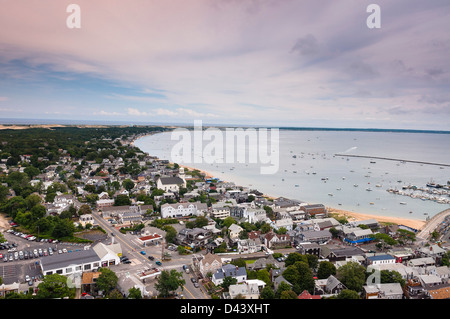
54,286
84,209
348,294
134,293
63,228
352,275
326,269
168,282
267,293
107,280
227,282
288,294
122,200
128,184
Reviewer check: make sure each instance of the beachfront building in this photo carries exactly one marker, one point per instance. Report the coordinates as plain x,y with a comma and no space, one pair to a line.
179,210
358,236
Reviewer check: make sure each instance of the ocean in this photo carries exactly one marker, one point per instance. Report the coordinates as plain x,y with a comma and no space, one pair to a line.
310,171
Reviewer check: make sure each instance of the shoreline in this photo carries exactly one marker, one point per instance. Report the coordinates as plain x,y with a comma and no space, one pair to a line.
352,216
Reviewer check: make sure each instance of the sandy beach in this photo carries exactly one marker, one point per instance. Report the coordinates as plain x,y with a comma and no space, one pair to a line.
353,216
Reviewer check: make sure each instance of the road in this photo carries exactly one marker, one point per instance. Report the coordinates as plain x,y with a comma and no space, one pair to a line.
132,249
432,224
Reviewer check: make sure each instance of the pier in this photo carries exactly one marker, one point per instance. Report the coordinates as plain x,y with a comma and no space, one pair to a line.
393,159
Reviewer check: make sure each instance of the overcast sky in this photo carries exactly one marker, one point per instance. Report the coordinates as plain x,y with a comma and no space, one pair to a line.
260,62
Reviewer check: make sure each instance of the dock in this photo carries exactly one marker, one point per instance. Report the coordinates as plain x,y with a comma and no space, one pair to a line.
393,159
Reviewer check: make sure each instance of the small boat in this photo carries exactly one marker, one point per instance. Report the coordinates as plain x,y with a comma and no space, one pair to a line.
329,194
355,185
372,203
402,203
368,189
296,185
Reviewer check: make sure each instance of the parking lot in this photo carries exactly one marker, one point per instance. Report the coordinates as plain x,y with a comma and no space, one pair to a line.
20,256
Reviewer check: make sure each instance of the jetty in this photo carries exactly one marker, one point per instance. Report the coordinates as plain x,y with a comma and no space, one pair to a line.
393,159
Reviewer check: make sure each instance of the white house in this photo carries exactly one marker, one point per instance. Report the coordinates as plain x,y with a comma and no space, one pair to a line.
172,184
183,209
229,270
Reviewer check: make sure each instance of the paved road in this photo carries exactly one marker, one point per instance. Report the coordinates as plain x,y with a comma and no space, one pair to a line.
432,224
131,248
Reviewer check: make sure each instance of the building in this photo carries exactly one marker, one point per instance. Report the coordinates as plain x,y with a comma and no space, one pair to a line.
151,239
359,236
171,184
383,291
209,263
229,270
179,210
380,260
70,263
316,210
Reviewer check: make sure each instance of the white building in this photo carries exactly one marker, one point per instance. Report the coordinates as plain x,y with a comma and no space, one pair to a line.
183,209
171,184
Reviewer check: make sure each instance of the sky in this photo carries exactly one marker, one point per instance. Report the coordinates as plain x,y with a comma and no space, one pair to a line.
304,63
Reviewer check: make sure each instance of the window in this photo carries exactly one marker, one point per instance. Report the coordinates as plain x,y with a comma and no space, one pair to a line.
69,270
59,271
77,268
87,267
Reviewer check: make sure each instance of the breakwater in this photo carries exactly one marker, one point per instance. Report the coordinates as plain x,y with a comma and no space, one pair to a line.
393,159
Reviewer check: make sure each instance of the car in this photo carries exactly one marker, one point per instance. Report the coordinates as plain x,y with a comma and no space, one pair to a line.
40,252
142,252
50,251
196,285
5,259
11,257
27,278
64,250
127,261
1,256
59,251
16,255
45,252
158,263
151,257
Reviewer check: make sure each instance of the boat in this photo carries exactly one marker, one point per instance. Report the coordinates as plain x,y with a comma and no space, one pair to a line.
355,185
329,194
368,189
296,185
402,203
372,203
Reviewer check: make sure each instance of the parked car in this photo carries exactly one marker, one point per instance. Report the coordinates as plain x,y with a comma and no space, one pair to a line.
143,252
158,263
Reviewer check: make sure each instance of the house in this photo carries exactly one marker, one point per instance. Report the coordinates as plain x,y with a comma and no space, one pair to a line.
246,290
359,236
315,210
171,184
272,239
433,251
179,210
248,246
313,236
233,232
380,259
86,219
306,295
285,222
309,249
229,270
261,263
196,237
383,291
329,286
208,263
220,213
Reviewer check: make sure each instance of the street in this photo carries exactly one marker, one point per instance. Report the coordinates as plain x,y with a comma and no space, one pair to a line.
139,262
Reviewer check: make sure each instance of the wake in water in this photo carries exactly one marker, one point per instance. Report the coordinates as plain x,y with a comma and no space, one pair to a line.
350,149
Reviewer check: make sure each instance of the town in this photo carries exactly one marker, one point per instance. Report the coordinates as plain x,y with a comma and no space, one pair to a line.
86,209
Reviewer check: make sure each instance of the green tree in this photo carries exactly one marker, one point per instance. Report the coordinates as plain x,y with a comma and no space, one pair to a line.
122,200
267,293
352,275
168,282
348,294
326,269
107,280
134,293
54,286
